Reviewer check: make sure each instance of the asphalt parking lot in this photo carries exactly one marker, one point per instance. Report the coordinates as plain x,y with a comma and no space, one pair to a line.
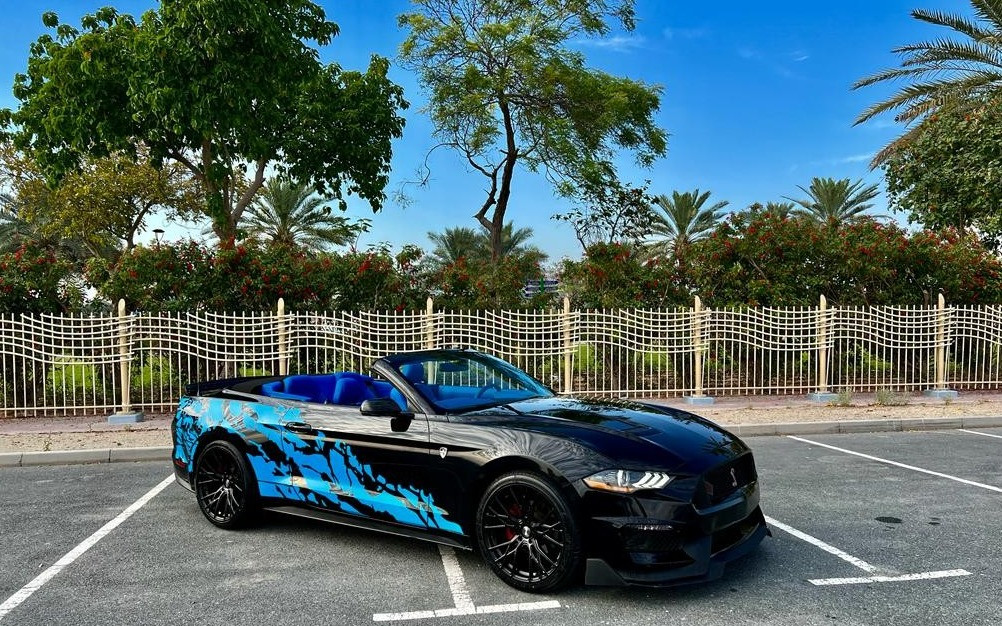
908,530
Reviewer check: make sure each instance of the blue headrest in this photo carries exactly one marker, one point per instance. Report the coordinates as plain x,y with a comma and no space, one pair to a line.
317,387
348,390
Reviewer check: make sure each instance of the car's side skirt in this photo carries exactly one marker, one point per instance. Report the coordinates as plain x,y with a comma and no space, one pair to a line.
358,522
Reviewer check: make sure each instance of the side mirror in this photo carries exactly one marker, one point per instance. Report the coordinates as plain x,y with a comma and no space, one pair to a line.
400,420
380,407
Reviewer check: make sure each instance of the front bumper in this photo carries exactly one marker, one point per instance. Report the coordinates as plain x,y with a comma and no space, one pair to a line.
690,546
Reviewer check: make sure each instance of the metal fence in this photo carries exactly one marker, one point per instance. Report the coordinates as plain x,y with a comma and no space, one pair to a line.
97,364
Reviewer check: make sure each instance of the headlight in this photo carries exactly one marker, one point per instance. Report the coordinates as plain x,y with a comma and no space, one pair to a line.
627,481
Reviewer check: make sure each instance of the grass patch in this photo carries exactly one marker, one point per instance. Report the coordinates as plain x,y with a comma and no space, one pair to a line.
844,398
889,397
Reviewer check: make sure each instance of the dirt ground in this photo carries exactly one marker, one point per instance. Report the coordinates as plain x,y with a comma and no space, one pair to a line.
69,433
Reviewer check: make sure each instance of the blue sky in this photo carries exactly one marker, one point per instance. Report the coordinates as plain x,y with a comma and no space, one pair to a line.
757,100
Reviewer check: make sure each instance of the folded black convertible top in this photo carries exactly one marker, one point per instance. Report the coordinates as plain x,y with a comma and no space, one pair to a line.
244,384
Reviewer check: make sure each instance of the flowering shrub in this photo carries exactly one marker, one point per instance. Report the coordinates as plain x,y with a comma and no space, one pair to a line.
34,280
482,284
616,275
769,260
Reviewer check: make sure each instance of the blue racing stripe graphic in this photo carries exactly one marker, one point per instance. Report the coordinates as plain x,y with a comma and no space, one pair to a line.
316,470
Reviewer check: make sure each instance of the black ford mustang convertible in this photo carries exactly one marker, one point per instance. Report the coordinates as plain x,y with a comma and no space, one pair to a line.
463,449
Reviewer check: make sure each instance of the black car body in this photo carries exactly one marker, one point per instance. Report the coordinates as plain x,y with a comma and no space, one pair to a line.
463,449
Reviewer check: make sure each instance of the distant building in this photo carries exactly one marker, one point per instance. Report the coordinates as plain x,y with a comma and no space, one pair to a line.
545,285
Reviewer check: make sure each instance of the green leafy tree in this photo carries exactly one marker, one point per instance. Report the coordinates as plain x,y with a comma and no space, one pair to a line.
107,202
609,213
950,174
224,88
836,202
292,214
24,215
962,72
505,89
682,219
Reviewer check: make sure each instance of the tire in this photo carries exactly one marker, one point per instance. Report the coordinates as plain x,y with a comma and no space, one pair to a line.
527,533
225,486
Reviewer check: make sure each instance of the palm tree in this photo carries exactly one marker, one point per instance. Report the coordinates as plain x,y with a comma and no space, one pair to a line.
835,202
680,220
514,242
963,72
292,214
453,244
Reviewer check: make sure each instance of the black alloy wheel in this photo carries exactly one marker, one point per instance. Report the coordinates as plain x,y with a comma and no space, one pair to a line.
224,485
527,533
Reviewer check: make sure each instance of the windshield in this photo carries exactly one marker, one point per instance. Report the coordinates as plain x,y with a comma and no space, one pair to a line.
454,382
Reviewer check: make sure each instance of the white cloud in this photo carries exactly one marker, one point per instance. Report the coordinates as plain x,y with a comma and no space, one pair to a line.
684,33
855,158
617,43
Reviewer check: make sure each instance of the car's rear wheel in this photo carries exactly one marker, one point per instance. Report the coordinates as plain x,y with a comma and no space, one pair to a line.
527,533
224,485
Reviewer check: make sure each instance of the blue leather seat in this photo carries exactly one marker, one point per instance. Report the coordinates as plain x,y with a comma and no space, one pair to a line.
349,390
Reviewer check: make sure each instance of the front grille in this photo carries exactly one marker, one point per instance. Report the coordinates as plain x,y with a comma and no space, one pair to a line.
723,480
733,534
652,542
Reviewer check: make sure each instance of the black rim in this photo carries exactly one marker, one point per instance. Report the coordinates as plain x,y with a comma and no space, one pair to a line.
220,485
523,532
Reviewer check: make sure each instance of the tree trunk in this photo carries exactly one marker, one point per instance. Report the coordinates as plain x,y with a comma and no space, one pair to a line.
504,192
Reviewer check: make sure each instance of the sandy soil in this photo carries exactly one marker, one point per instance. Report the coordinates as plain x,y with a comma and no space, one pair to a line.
68,433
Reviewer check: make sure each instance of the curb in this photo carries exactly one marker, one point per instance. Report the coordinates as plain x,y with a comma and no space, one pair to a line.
842,427
75,457
163,453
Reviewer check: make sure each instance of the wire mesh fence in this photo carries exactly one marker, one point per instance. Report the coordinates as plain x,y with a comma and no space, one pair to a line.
52,364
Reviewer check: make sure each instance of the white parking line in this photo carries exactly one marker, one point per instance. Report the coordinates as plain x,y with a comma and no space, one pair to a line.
975,432
860,563
457,583
896,464
950,573
814,541
461,598
25,592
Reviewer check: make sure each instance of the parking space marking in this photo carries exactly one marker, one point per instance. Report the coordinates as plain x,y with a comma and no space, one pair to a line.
457,583
25,592
974,432
814,541
950,573
860,563
896,464
461,598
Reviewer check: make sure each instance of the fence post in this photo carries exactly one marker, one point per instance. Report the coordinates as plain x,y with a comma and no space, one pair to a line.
126,415
429,324
283,340
822,395
940,390
697,396
568,347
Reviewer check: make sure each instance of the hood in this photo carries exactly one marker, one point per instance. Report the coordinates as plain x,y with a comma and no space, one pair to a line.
677,440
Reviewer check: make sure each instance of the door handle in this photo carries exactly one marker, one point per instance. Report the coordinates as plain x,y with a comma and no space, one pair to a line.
299,427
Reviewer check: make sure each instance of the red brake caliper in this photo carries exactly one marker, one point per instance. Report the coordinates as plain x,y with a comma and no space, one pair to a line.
515,511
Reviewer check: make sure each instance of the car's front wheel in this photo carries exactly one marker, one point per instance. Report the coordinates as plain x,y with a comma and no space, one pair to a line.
527,533
224,485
